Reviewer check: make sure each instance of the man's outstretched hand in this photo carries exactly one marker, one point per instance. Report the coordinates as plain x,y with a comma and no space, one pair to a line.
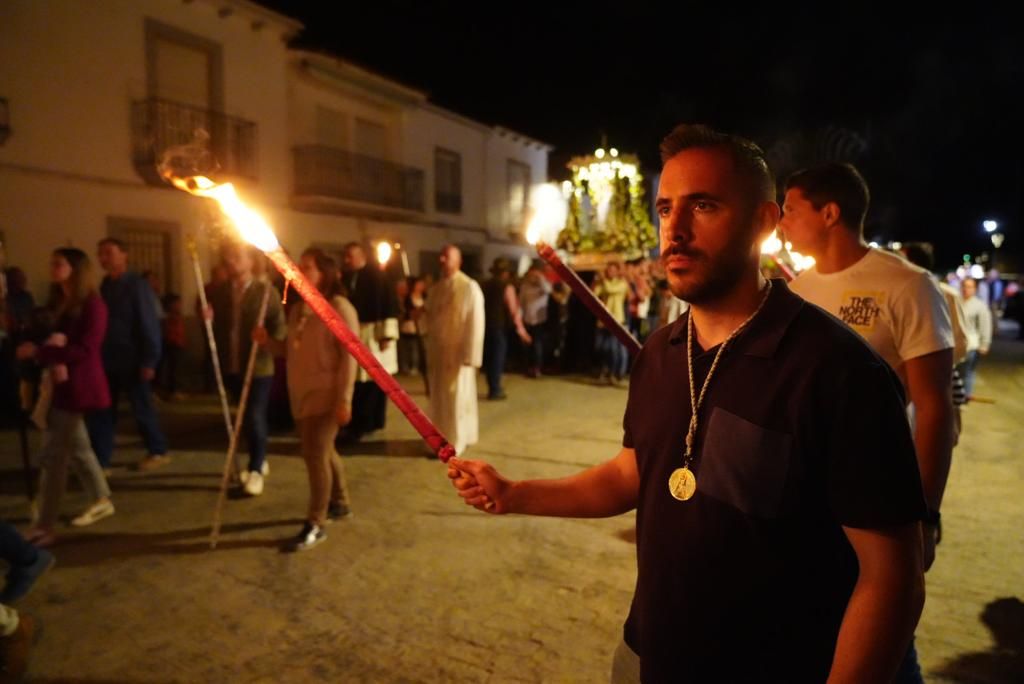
480,485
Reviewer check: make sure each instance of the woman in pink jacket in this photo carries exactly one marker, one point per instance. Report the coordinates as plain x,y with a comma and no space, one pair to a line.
73,356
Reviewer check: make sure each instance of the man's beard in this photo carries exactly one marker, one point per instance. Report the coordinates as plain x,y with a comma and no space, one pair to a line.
708,279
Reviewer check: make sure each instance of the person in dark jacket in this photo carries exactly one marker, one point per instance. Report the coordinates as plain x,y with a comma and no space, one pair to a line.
376,304
72,356
131,351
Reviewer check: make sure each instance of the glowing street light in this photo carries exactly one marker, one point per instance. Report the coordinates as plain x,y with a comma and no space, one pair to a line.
990,226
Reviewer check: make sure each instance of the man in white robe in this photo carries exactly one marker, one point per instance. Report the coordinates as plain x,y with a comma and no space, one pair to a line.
455,349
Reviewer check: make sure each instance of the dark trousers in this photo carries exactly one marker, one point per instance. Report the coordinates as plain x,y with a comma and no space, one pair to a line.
13,547
369,408
910,670
614,357
409,353
167,373
968,370
495,353
254,423
535,354
102,424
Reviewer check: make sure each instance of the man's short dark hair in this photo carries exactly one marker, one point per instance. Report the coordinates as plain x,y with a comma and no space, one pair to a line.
838,183
920,254
115,242
353,245
746,155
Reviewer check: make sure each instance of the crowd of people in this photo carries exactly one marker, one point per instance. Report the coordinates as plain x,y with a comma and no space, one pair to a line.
818,513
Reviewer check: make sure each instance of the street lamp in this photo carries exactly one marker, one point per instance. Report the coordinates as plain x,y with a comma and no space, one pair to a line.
990,226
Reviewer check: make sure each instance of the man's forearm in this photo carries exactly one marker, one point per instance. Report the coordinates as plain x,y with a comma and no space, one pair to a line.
879,622
933,440
601,491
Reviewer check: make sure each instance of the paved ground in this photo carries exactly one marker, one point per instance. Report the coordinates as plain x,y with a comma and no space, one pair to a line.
418,588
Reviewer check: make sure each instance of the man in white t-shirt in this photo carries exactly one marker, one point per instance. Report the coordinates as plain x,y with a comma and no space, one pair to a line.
894,305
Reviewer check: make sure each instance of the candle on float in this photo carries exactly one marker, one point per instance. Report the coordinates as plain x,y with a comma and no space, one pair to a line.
256,231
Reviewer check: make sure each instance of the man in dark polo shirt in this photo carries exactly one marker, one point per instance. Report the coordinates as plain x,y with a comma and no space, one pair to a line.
784,544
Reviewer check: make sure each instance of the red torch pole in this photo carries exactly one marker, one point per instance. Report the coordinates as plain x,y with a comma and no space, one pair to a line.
585,295
363,356
786,271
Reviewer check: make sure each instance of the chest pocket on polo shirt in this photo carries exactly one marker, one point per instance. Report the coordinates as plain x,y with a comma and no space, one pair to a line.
744,465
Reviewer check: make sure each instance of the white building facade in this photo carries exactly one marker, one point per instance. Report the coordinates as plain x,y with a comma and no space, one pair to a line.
331,153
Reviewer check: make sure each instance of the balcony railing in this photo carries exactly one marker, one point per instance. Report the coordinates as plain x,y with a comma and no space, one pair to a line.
322,171
159,124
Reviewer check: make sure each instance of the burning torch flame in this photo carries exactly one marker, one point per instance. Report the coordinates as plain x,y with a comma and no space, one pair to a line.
250,224
773,245
383,253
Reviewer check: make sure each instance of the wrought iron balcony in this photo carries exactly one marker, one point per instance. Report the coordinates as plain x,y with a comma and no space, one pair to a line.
322,171
159,124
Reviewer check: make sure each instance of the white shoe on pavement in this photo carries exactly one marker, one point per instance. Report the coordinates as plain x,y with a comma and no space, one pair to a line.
254,484
94,513
243,476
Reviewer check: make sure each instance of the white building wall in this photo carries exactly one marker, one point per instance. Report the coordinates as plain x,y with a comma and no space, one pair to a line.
71,70
503,147
427,129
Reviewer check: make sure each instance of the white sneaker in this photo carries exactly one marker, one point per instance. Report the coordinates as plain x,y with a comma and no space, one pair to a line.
244,474
97,511
254,484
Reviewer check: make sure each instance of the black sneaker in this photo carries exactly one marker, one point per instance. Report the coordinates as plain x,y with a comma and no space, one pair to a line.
337,511
310,536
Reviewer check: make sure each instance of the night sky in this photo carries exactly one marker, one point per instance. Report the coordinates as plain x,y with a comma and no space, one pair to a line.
928,108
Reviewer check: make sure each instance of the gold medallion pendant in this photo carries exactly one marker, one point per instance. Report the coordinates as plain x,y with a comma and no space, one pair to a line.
682,484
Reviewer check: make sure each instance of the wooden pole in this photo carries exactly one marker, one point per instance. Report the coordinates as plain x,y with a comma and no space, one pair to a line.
229,459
